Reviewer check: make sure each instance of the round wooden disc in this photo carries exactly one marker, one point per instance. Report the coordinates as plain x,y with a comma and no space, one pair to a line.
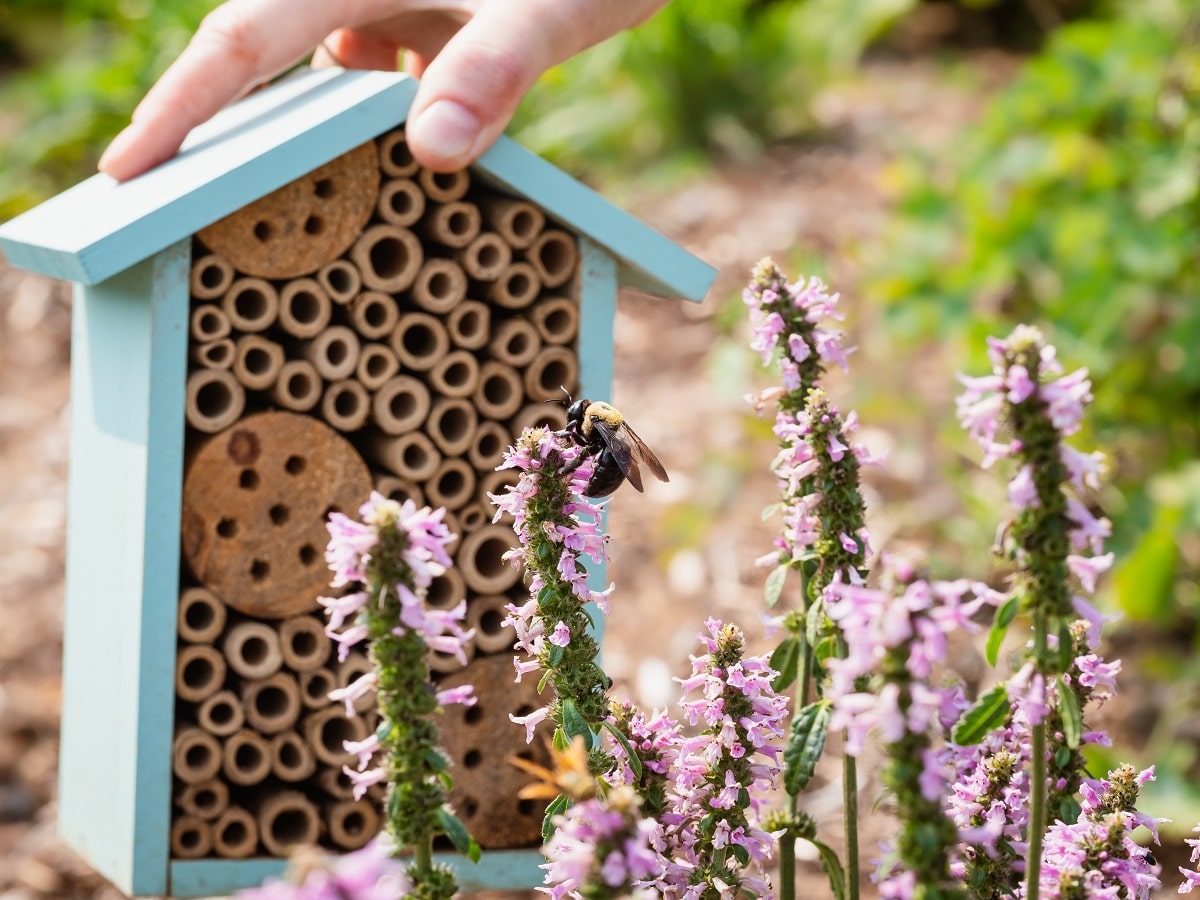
255,502
303,225
480,739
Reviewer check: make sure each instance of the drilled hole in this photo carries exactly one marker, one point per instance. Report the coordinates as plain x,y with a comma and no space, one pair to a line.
226,528
308,555
248,480
472,758
323,188
263,231
278,513
314,225
260,570
294,465
470,807
525,807
473,715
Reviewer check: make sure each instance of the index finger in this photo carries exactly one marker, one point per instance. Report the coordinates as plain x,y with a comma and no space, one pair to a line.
239,44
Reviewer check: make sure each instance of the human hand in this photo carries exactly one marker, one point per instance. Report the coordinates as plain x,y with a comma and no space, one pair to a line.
476,59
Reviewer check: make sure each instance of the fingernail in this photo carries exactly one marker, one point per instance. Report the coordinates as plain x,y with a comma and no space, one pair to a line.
446,129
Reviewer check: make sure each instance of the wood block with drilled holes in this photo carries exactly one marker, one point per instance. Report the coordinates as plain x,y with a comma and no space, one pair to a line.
479,740
303,225
255,501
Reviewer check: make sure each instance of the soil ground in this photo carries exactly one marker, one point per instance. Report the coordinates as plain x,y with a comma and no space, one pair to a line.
681,552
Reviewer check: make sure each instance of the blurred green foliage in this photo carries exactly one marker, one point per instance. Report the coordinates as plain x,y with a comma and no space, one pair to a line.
1075,204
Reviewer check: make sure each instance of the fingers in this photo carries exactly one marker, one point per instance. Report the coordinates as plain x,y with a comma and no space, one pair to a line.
237,45
470,90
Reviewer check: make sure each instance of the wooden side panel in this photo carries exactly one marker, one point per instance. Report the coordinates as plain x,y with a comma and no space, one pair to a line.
128,357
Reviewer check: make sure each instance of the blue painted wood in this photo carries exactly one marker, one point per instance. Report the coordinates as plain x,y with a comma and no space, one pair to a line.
127,384
99,227
503,870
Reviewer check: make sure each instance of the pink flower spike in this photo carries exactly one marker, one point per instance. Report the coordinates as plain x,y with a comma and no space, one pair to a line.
364,749
363,780
530,721
355,690
464,695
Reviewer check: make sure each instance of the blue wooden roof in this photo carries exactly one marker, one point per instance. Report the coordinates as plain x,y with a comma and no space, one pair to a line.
101,227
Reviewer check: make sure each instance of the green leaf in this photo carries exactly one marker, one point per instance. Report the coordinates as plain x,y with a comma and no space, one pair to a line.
1069,810
554,656
576,725
1004,616
1072,716
990,711
557,807
773,587
1146,578
786,661
833,869
741,854
454,829
1008,611
635,761
806,742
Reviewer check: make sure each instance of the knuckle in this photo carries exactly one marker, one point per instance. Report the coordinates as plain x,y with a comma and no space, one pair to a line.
231,31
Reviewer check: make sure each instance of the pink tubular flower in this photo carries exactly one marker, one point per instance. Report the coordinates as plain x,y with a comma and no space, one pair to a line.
372,873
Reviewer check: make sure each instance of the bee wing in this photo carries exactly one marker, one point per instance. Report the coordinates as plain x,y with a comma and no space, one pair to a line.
621,442
646,455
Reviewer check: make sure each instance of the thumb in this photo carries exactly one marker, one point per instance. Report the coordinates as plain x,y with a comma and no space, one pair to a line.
469,91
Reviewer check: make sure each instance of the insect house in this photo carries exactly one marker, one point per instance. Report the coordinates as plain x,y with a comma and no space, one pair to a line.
287,315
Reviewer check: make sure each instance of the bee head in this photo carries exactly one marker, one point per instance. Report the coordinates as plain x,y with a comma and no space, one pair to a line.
576,410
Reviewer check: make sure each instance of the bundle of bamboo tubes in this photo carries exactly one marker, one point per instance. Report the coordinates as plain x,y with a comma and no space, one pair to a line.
412,325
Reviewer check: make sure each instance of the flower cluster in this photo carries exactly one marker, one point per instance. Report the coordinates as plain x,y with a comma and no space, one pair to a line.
1191,877
395,552
367,874
558,530
709,837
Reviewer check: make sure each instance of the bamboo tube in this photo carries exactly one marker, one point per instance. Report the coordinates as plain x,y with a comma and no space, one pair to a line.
388,258
350,670
195,756
199,672
374,314
517,221
340,279
213,354
452,225
399,489
291,758
419,341
376,364
191,838
208,322
336,783
500,392
440,285
315,685
286,820
401,202
556,319
451,424
201,615
252,650
444,187
488,444
553,256
552,416
272,704
333,352
481,559
549,372
205,800
486,615
257,362
395,159
212,274
473,516
456,374
252,304
298,387
304,308
352,823
497,484
411,456
515,343
452,485
214,400
446,590
346,405
516,287
486,257
221,714
445,663
235,834
246,757
400,405
469,324
303,643
327,730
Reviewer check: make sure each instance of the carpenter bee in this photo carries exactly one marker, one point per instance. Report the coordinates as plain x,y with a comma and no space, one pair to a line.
604,434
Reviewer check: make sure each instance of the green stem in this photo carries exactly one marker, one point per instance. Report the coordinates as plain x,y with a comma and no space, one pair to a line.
787,848
423,855
787,867
850,803
1037,793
